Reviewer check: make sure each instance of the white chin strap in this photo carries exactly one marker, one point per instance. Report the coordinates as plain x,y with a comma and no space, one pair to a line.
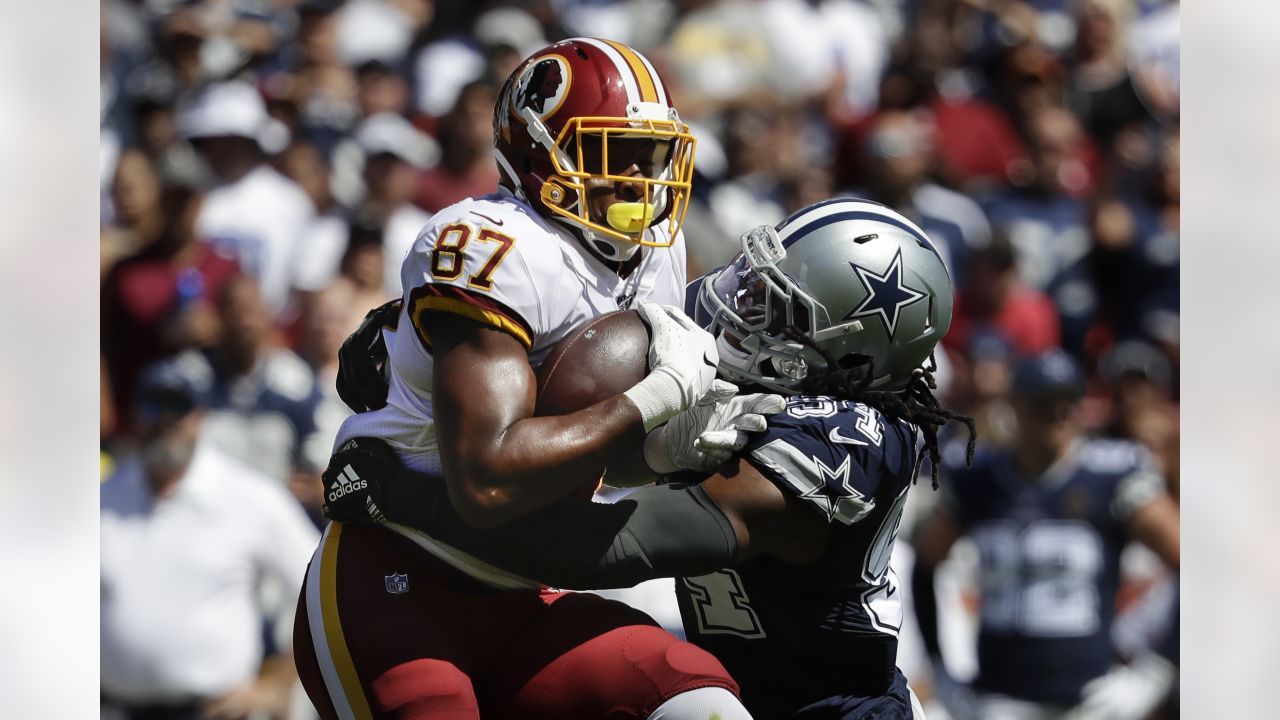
607,247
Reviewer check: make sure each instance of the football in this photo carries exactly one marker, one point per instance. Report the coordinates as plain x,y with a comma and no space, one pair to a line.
602,358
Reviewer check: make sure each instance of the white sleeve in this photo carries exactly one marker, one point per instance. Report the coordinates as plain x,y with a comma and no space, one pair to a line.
286,542
489,273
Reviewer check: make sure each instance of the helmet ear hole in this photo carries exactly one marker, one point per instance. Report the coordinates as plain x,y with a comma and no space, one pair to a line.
853,360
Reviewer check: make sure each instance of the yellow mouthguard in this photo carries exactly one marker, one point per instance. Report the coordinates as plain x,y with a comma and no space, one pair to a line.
630,217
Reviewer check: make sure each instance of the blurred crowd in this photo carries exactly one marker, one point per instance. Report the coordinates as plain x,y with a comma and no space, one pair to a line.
265,164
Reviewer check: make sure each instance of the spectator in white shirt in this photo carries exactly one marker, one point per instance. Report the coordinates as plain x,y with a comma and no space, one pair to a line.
193,544
252,213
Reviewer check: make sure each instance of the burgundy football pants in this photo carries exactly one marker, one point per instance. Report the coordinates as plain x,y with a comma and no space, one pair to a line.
437,644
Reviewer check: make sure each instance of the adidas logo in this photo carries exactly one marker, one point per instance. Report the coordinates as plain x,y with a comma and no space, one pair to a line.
347,482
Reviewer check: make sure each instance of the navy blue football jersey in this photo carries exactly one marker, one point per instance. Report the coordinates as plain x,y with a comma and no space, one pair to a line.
1050,560
804,641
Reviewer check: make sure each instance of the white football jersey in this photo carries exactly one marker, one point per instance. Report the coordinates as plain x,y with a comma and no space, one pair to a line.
496,260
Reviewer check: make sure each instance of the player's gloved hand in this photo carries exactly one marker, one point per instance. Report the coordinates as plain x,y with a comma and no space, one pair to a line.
709,433
353,487
1127,691
362,360
682,365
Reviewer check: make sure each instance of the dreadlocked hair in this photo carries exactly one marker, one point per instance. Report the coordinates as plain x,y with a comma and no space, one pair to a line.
915,403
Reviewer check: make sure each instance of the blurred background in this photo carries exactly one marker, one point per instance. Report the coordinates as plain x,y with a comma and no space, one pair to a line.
265,164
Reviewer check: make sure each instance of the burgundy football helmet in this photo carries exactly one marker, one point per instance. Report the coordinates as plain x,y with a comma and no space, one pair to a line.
586,110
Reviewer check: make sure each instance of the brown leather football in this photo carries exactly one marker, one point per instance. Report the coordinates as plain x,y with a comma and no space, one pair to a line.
605,356
602,358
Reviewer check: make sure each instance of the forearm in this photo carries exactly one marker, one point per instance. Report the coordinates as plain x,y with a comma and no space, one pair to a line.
659,531
537,460
656,532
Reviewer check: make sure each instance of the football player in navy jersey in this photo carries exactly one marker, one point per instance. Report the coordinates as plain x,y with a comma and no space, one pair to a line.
1050,516
782,554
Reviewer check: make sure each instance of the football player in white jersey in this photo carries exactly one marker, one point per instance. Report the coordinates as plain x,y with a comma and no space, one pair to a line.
596,167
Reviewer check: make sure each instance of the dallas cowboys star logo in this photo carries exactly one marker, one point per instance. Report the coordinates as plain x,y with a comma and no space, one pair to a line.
886,295
849,505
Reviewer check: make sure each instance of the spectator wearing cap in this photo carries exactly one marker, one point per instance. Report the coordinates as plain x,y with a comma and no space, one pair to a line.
1050,516
466,167
394,153
899,157
1140,377
191,543
988,388
253,213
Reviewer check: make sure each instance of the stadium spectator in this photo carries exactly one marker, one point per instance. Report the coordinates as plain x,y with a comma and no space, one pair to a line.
899,157
1101,92
977,143
161,300
394,152
136,219
322,87
379,89
998,301
325,239
1141,380
190,540
1136,253
986,387
252,213
263,401
1047,222
466,167
331,315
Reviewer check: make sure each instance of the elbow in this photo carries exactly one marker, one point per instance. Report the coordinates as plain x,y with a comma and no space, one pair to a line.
481,506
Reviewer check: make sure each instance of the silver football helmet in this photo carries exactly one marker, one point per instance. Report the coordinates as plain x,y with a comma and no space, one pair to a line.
858,279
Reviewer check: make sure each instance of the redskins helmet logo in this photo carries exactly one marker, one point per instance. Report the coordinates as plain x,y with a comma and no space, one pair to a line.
542,86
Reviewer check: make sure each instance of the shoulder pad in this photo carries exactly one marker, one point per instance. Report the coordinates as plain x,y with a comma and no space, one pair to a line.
489,259
832,453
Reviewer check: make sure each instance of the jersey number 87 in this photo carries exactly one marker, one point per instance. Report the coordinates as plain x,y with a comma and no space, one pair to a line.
447,259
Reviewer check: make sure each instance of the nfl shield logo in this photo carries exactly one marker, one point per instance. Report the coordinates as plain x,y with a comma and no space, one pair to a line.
397,584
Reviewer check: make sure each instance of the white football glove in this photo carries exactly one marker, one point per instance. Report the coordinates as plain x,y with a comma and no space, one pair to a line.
682,365
1127,692
709,433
